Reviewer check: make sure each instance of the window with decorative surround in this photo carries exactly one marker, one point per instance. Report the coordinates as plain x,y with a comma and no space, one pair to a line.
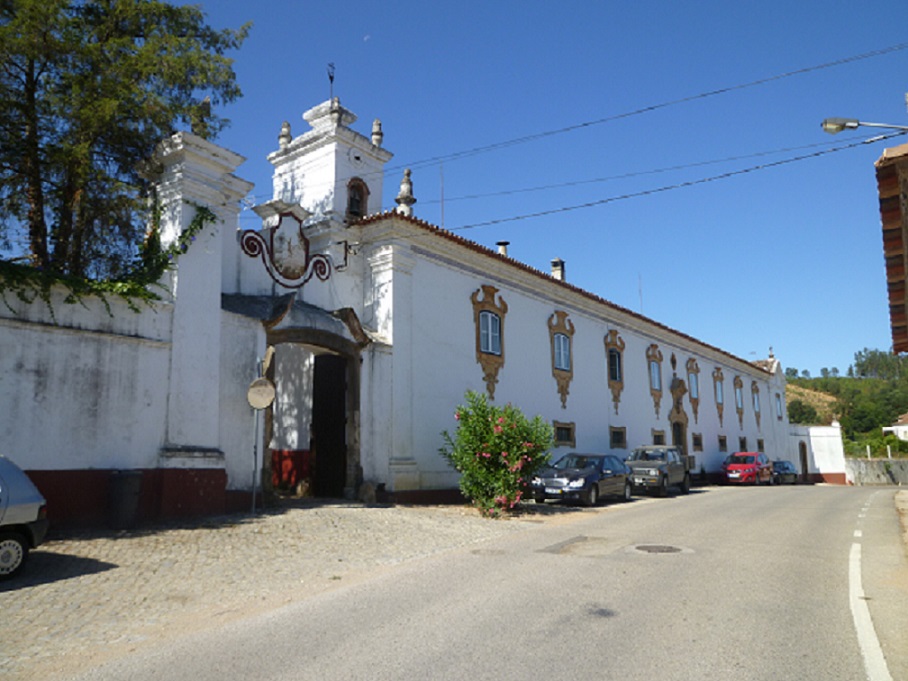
779,408
693,387
723,443
719,393
755,395
614,352
658,437
565,434
697,442
739,399
654,366
760,447
561,332
617,437
742,444
488,317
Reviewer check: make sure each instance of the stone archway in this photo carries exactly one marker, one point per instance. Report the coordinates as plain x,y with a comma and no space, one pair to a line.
312,430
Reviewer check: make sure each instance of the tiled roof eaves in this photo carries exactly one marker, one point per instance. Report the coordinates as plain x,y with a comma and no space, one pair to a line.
478,248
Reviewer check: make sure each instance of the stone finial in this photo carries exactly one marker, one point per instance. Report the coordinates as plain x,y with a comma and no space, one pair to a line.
405,199
285,136
377,134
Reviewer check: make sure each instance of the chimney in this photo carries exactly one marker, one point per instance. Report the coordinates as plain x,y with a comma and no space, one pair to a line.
558,269
503,247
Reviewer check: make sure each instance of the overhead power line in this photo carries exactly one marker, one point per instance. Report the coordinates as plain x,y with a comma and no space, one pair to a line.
652,107
679,185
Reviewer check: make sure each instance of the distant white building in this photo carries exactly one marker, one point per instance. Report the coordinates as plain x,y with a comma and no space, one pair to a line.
899,428
374,325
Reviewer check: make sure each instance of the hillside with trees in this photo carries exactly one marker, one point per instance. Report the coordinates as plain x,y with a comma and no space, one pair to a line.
872,395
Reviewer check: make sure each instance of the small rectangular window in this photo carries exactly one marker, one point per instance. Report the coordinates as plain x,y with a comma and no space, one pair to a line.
564,434
742,444
720,393
760,445
697,442
739,398
658,437
618,438
779,406
723,443
756,403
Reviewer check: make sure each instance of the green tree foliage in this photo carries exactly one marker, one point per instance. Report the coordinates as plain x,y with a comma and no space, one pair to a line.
801,412
879,364
496,450
791,372
87,90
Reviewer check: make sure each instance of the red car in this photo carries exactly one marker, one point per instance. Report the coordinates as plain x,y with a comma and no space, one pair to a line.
752,468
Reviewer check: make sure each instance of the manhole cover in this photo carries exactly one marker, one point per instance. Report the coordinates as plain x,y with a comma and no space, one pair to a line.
656,548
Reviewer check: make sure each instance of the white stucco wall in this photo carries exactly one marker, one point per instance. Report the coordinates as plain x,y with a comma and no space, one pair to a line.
85,389
825,452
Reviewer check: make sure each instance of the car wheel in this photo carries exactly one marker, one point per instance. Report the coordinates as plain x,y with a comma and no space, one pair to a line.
13,554
685,484
663,488
628,491
592,497
539,499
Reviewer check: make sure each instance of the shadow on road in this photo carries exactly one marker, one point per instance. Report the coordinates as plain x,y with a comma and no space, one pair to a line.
47,567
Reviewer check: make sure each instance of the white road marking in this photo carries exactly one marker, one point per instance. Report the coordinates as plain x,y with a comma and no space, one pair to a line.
874,661
858,533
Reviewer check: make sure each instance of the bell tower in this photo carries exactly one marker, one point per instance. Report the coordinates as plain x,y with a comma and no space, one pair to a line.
331,171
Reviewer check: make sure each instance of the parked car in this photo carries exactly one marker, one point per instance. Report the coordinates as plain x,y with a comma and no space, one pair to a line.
747,468
23,517
655,468
784,473
584,478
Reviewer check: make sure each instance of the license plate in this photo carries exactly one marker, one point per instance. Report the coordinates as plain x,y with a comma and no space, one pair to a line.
639,481
552,490
734,475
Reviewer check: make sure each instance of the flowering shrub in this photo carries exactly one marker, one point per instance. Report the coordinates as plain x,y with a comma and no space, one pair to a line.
496,450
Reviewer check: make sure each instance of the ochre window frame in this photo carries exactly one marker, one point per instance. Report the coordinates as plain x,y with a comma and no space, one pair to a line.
719,393
658,437
484,300
755,401
739,399
559,324
723,443
654,357
696,440
614,343
615,430
693,387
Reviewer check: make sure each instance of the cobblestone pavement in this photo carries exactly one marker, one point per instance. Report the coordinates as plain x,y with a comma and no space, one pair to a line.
85,598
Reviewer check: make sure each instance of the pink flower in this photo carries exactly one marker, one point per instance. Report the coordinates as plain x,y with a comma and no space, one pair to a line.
457,416
497,429
501,419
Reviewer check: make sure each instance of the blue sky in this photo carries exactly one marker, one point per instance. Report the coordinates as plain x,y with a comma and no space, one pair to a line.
787,256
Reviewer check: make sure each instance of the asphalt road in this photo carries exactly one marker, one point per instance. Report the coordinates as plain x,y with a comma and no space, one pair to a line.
726,584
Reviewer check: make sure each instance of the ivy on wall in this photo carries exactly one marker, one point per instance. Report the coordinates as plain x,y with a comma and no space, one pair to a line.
29,284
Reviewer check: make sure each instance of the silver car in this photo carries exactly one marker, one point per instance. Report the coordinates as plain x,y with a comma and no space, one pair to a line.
23,517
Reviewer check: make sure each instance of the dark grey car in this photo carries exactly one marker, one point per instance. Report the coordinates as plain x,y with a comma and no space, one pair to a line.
584,478
784,472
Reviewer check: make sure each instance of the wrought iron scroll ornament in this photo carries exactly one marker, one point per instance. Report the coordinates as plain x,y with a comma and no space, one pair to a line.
284,251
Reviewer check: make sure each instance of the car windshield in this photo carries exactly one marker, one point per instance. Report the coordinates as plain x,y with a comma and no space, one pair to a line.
647,455
741,459
574,461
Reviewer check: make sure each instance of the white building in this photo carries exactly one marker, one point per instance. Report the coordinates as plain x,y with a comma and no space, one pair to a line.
379,323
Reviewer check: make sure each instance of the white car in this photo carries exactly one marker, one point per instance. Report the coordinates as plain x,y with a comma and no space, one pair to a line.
23,517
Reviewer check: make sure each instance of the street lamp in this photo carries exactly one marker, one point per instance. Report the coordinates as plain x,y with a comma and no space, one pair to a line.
835,125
